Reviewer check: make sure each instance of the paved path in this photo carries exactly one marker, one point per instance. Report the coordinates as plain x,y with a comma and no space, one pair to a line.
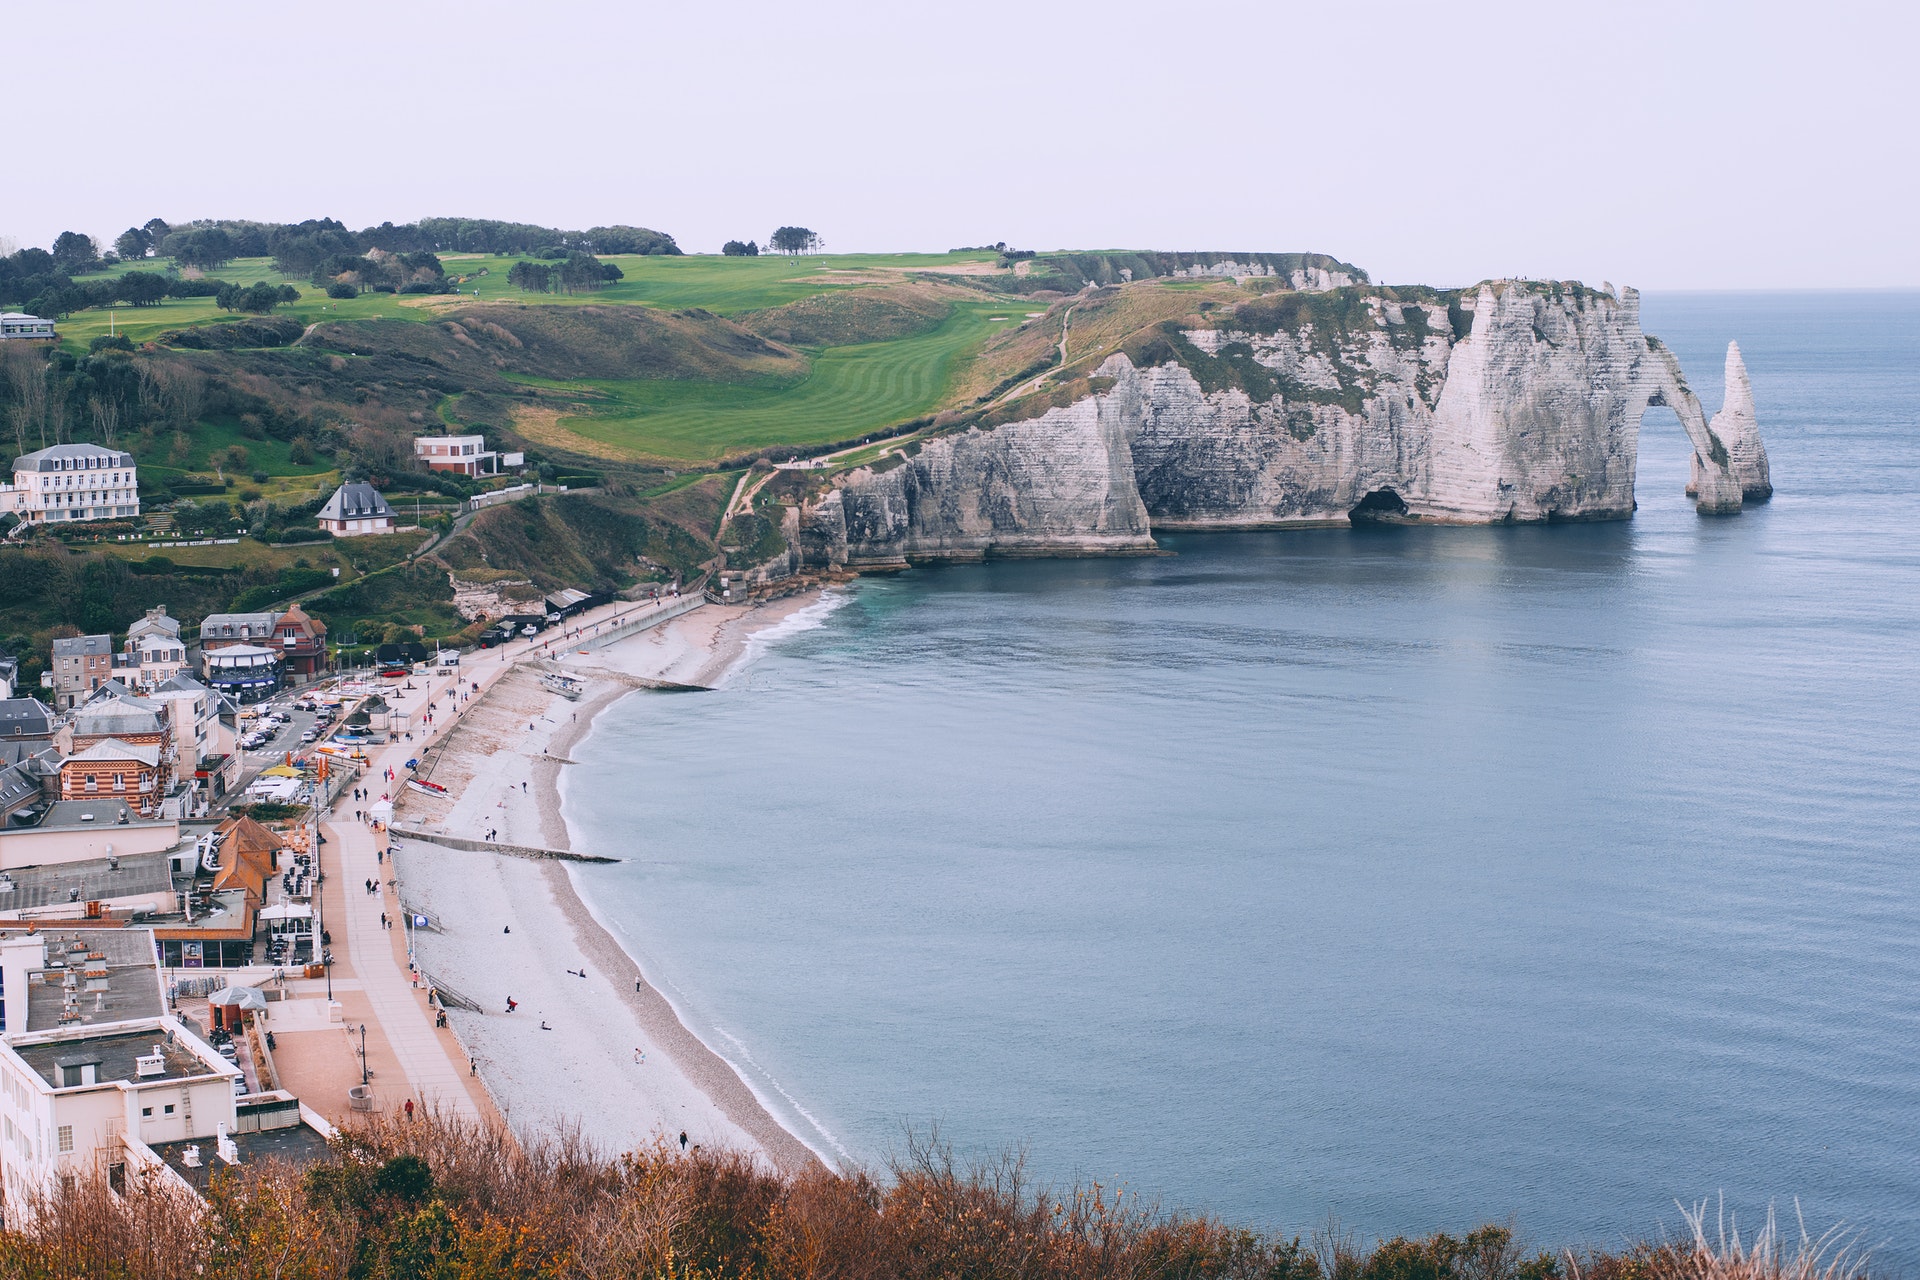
432,1075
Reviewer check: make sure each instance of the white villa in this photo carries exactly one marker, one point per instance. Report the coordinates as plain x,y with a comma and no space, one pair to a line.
72,482
468,455
356,509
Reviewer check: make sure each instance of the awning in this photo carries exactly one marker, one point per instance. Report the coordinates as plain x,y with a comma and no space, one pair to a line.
239,997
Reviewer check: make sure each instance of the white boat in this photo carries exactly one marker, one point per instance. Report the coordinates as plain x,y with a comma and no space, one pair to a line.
565,686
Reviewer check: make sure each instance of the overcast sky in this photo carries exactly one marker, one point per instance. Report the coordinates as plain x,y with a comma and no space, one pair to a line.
1670,145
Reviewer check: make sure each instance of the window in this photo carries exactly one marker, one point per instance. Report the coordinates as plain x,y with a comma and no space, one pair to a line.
169,1108
65,1134
146,1113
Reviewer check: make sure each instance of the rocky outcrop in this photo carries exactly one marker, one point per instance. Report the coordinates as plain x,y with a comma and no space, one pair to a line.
1513,401
1734,426
1525,405
1059,484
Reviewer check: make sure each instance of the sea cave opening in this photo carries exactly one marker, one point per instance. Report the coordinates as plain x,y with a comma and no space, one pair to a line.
1378,506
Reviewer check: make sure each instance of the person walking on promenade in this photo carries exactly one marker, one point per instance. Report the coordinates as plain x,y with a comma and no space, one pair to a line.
409,1108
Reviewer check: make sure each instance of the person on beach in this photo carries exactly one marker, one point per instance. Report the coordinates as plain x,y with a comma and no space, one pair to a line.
683,1139
544,1026
409,1108
636,984
512,1004
639,1057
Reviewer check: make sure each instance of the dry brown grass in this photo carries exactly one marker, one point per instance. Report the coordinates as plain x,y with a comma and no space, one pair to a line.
437,1198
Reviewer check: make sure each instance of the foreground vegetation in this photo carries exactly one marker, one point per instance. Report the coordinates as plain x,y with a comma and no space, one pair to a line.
440,1200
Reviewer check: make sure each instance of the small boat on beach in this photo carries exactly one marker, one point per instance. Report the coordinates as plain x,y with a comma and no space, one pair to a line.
565,686
426,788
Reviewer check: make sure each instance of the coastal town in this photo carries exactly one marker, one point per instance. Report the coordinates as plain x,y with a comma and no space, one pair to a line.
219,922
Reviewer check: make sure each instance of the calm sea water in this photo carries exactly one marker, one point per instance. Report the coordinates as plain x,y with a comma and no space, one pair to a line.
1419,877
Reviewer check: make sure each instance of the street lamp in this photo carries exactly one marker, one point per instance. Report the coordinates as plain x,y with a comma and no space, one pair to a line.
363,1053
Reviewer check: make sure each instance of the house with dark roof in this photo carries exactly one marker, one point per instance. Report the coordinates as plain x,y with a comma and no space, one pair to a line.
355,510
303,642
25,720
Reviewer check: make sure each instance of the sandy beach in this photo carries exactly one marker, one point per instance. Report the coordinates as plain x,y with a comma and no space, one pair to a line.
605,1052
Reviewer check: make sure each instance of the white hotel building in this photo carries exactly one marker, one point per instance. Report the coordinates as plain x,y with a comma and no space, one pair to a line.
72,482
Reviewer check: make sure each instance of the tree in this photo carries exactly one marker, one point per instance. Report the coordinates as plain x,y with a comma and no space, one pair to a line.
133,243
142,288
794,240
534,277
206,248
254,299
75,251
341,289
738,249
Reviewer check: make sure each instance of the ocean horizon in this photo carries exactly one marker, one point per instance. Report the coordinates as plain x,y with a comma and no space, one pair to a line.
1409,877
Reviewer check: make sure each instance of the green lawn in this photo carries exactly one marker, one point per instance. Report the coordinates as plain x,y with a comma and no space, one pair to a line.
849,391
719,284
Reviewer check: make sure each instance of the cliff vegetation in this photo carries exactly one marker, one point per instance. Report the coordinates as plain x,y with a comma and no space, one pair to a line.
433,1200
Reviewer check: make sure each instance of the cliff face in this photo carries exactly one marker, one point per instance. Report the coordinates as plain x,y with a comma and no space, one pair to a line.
1060,484
1509,402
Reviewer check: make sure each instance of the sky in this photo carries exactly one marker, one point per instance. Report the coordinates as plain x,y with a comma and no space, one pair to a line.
1667,146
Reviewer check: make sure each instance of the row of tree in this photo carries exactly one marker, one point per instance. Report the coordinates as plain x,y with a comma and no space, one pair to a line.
784,240
297,248
580,273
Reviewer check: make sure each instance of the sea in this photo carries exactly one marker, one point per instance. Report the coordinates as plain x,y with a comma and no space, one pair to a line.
1384,880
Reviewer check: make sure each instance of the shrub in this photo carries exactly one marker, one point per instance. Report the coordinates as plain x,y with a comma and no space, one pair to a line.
110,342
341,289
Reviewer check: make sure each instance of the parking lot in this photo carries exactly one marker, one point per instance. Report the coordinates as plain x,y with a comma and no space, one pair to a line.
266,742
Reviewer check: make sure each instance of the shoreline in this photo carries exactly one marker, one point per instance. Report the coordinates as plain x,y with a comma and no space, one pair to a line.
548,922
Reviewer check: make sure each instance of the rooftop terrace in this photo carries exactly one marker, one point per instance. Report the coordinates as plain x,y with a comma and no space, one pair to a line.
114,1058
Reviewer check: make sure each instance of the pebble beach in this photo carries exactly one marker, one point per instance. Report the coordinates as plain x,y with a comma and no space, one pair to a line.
591,1046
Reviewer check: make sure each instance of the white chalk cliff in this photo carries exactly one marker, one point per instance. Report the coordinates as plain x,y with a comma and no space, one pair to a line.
1512,401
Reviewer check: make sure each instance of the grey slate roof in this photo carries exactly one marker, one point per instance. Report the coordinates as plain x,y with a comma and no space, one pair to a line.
82,646
17,787
236,626
49,459
27,715
116,716
355,501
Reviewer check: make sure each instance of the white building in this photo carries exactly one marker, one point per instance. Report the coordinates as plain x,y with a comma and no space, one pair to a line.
353,510
72,482
468,455
92,1069
97,1078
203,735
18,324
